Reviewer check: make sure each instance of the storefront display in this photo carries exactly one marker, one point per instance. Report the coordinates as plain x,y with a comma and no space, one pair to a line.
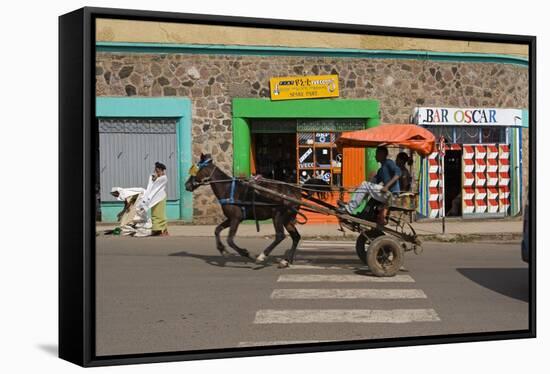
474,177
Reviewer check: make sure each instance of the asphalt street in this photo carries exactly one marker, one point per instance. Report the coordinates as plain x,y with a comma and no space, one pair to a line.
178,293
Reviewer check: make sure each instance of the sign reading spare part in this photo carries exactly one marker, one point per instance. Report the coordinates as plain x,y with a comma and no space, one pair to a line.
304,87
470,117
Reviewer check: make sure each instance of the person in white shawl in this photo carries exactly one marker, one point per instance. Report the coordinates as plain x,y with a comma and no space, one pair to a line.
154,198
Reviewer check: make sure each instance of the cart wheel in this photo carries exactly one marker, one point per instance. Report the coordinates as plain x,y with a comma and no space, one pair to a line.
385,256
360,248
361,245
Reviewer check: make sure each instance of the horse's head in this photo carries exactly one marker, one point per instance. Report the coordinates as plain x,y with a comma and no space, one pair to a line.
199,173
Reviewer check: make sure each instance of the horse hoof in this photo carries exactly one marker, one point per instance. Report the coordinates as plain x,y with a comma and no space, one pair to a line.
249,255
283,264
224,253
260,259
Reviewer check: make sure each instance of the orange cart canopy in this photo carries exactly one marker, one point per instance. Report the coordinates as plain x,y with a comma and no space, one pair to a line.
413,137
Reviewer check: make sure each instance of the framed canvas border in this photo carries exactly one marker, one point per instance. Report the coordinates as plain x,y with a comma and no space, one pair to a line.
77,108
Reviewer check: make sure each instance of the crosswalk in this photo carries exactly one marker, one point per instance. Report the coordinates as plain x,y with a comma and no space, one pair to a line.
324,281
346,316
346,293
344,278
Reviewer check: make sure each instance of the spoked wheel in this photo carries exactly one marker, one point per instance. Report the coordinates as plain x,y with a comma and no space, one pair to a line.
385,256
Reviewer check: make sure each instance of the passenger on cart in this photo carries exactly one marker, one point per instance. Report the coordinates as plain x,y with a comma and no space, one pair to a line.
405,180
379,188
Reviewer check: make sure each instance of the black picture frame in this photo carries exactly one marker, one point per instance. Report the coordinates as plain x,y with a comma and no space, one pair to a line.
77,195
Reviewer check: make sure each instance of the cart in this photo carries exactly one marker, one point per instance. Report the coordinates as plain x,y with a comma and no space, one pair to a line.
380,247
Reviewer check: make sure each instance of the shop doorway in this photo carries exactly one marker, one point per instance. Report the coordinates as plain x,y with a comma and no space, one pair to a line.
453,183
274,156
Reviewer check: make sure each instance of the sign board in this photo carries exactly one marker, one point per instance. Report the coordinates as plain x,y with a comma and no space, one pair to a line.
330,125
304,87
470,117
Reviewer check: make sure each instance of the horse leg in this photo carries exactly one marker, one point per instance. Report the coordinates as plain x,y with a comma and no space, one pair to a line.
290,226
217,232
279,237
230,239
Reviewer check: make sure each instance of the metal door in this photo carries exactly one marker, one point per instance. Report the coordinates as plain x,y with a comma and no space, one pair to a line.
128,150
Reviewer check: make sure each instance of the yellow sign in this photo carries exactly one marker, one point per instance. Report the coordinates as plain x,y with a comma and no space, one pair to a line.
304,87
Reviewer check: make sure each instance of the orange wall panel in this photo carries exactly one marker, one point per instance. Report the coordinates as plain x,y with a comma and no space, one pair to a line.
353,167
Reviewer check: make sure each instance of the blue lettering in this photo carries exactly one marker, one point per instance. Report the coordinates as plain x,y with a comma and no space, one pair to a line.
492,116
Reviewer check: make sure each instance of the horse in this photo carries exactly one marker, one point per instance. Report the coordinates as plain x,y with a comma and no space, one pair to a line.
240,202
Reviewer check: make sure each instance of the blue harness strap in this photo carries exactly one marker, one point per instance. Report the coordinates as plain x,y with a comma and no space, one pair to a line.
202,164
231,199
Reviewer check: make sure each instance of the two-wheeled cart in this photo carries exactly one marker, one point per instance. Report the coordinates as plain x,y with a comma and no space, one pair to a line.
380,247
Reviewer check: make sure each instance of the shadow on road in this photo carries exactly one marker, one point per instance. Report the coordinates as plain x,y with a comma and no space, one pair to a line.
232,261
511,282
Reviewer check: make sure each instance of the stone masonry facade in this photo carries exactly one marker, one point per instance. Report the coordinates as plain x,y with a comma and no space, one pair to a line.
212,81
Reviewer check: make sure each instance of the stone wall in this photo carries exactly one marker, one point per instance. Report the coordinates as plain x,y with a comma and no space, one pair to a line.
211,81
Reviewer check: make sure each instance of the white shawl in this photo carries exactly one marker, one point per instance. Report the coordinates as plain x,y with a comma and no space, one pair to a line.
124,193
154,193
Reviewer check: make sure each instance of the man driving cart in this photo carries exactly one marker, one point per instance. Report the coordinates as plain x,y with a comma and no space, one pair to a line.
379,188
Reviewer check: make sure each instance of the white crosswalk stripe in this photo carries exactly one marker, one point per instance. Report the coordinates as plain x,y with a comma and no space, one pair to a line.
327,267
344,278
350,242
347,254
270,316
367,303
349,293
329,245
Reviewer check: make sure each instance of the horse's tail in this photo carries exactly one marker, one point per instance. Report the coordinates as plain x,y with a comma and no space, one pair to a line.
319,187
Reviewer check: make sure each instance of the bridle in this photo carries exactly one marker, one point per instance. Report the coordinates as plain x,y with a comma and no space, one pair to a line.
201,165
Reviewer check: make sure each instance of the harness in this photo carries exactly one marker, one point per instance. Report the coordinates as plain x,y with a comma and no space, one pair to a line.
225,201
231,200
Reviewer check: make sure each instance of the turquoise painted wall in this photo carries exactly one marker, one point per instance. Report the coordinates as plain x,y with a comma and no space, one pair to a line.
297,51
143,107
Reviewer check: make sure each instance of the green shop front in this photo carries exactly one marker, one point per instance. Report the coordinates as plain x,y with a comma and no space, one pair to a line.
294,140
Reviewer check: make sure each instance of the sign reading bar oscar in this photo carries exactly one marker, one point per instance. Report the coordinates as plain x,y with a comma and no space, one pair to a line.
304,87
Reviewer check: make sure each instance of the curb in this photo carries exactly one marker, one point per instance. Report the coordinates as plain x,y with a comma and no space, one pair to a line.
350,236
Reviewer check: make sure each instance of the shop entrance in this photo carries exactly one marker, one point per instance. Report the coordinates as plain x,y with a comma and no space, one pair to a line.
275,156
264,131
453,183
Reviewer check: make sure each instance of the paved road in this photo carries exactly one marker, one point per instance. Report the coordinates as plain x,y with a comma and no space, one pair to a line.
167,294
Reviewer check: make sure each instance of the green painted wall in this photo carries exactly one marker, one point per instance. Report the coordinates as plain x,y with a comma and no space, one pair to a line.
307,108
371,165
241,147
109,210
244,109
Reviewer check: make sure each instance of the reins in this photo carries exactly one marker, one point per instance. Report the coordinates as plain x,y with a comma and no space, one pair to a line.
293,185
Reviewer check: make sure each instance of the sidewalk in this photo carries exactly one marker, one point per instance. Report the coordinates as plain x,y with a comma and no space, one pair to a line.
427,230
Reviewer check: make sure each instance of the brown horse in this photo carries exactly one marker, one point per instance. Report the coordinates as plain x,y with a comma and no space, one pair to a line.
240,202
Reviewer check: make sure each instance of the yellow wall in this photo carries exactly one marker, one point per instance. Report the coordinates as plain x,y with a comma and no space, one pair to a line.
108,30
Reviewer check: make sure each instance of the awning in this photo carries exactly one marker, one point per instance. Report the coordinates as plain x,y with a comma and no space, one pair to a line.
409,136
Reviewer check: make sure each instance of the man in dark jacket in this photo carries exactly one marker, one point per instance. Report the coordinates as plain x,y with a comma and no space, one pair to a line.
402,160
